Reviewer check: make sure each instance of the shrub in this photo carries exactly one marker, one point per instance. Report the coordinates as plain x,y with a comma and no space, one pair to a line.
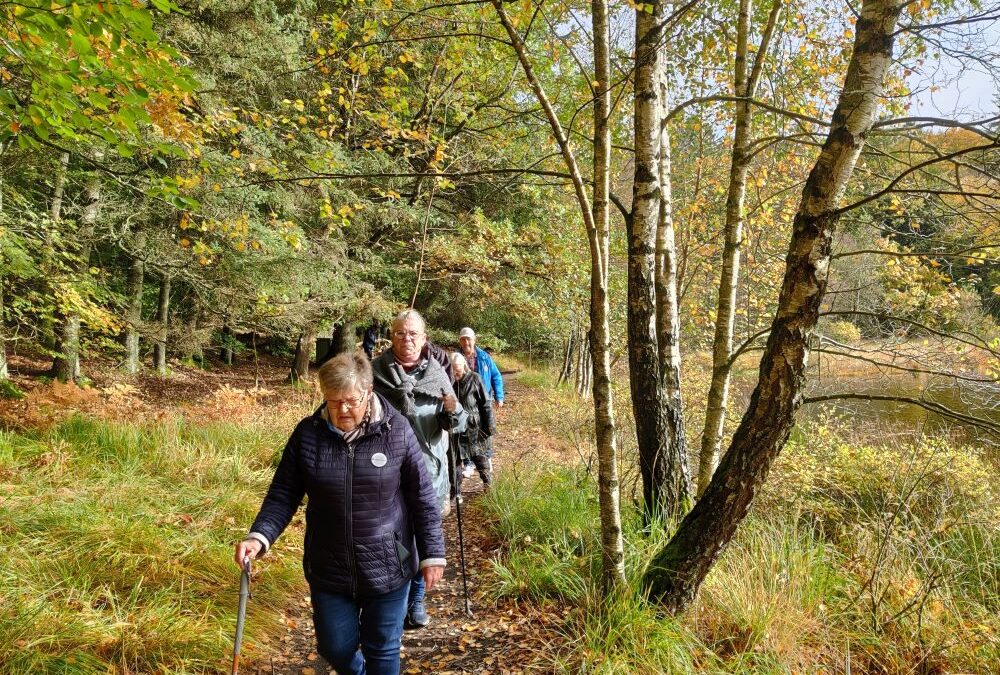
843,332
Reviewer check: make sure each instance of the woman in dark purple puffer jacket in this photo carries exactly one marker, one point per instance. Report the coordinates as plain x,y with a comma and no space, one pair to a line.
372,519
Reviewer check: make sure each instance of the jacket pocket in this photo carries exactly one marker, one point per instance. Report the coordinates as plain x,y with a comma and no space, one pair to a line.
402,554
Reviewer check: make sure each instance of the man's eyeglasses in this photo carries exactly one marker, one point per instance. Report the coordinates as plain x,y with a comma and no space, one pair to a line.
403,334
347,403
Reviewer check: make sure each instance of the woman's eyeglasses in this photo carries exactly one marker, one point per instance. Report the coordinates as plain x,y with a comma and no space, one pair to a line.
347,403
403,334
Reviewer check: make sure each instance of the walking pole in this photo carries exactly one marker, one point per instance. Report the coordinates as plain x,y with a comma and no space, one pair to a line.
241,614
453,441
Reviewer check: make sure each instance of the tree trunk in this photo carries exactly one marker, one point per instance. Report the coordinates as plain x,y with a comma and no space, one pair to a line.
303,354
48,330
722,345
133,317
66,366
582,367
3,334
673,476
55,208
162,314
343,338
678,570
568,357
613,551
596,225
3,314
657,415
227,350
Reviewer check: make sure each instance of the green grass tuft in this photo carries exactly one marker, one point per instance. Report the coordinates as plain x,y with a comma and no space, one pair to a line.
9,390
536,379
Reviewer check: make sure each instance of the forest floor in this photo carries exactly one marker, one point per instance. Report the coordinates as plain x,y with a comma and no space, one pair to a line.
500,637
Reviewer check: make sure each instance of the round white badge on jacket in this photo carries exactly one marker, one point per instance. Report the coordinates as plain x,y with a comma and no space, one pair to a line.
379,460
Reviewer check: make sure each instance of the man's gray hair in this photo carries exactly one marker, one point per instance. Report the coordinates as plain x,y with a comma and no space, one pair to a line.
410,314
457,358
347,371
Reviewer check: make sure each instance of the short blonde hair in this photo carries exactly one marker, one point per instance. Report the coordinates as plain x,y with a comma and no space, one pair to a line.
350,370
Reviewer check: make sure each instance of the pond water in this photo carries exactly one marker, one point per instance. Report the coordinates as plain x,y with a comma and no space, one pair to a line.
976,399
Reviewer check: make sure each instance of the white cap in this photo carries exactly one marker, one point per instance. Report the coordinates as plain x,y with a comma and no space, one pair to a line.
467,332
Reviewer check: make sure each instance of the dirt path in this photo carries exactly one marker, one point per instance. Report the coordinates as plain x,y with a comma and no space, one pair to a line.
502,639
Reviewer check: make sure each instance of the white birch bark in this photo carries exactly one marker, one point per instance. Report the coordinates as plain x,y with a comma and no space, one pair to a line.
598,238
678,570
133,317
744,85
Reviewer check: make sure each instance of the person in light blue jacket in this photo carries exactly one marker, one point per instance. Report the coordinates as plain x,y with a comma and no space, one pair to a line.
480,362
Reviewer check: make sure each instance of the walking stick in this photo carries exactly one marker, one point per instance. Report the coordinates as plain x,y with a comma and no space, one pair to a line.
241,614
458,515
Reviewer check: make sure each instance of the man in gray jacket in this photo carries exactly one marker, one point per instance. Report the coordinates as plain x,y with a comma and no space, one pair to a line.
418,386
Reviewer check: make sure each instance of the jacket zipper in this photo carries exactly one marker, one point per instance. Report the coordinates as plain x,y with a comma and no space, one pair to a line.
348,524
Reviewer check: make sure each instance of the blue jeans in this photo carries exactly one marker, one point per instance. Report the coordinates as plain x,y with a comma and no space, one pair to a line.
417,590
375,622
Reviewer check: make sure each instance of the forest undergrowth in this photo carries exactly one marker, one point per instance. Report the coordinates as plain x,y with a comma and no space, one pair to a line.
864,553
117,523
877,554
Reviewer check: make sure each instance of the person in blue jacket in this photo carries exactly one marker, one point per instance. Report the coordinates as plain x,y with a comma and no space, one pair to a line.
372,518
481,363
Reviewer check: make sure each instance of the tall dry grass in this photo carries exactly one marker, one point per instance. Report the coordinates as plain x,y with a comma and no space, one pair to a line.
116,540
881,557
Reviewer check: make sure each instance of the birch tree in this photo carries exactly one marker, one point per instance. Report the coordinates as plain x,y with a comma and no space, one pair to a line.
653,320
745,81
595,218
678,570
162,324
133,315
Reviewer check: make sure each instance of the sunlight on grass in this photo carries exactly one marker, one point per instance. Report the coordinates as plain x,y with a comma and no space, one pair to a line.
821,569
115,545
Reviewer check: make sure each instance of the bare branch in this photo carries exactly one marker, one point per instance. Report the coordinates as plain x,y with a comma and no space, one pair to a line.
972,420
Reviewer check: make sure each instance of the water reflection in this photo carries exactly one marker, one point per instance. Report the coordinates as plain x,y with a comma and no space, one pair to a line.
977,399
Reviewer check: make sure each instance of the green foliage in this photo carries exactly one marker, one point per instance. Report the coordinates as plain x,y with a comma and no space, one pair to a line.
9,390
130,529
89,69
